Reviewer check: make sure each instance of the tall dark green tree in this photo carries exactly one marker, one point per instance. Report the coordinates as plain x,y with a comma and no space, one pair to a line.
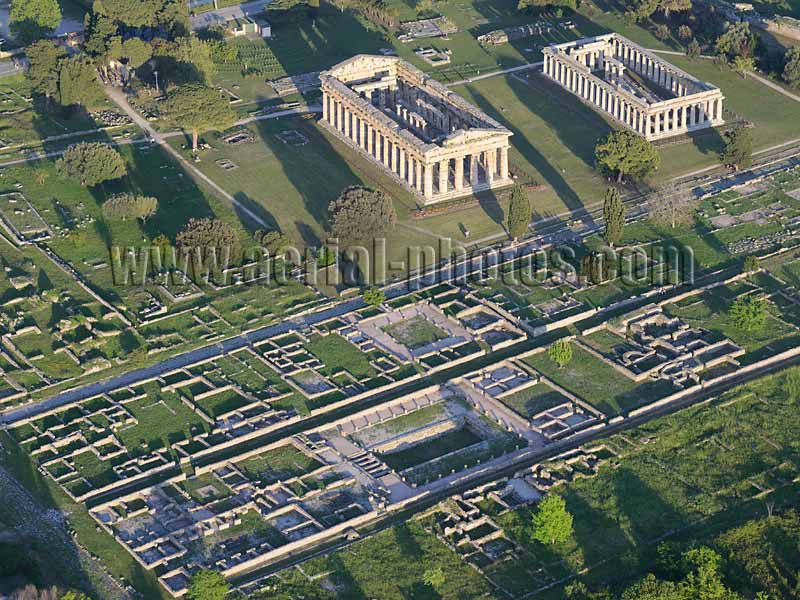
519,212
791,70
44,65
360,215
613,216
78,83
738,151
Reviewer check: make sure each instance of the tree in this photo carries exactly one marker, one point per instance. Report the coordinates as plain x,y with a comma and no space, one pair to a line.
693,50
561,352
685,33
750,264
596,268
91,163
623,153
77,82
662,32
206,236
434,577
671,206
738,151
197,107
519,212
613,216
134,51
207,585
374,296
30,20
749,313
360,215
791,71
130,206
44,65
737,40
552,523
275,242
742,65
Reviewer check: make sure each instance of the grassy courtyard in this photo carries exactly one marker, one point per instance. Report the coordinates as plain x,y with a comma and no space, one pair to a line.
597,383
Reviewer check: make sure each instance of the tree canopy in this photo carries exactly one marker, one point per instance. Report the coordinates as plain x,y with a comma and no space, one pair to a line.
130,206
205,235
623,154
91,163
738,151
519,212
207,585
552,523
77,82
791,70
360,215
44,66
560,352
31,20
736,41
613,216
749,313
374,296
198,108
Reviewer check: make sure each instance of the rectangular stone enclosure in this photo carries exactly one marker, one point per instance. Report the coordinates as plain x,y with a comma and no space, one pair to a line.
428,138
634,86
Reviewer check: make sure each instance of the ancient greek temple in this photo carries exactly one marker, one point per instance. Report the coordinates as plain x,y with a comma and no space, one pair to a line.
429,139
634,86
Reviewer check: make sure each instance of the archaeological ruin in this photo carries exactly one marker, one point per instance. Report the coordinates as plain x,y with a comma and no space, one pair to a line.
429,139
634,86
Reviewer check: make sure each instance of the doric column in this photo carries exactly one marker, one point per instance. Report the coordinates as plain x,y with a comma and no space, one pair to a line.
393,158
491,162
459,176
473,169
363,134
428,176
444,175
504,163
370,146
647,125
346,122
418,168
385,148
325,99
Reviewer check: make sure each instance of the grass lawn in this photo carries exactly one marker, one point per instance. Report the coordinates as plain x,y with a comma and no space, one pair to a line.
385,566
533,400
222,402
280,463
597,383
338,354
430,449
162,420
415,332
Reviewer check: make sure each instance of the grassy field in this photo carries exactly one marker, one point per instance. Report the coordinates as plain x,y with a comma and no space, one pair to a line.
278,464
338,354
533,400
597,383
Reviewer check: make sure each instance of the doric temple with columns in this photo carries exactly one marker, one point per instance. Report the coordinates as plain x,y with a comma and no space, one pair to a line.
634,86
428,138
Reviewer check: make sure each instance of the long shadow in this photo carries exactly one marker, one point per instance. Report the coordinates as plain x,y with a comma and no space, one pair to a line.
565,131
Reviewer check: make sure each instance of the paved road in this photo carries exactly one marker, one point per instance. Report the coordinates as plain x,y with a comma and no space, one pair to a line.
8,68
